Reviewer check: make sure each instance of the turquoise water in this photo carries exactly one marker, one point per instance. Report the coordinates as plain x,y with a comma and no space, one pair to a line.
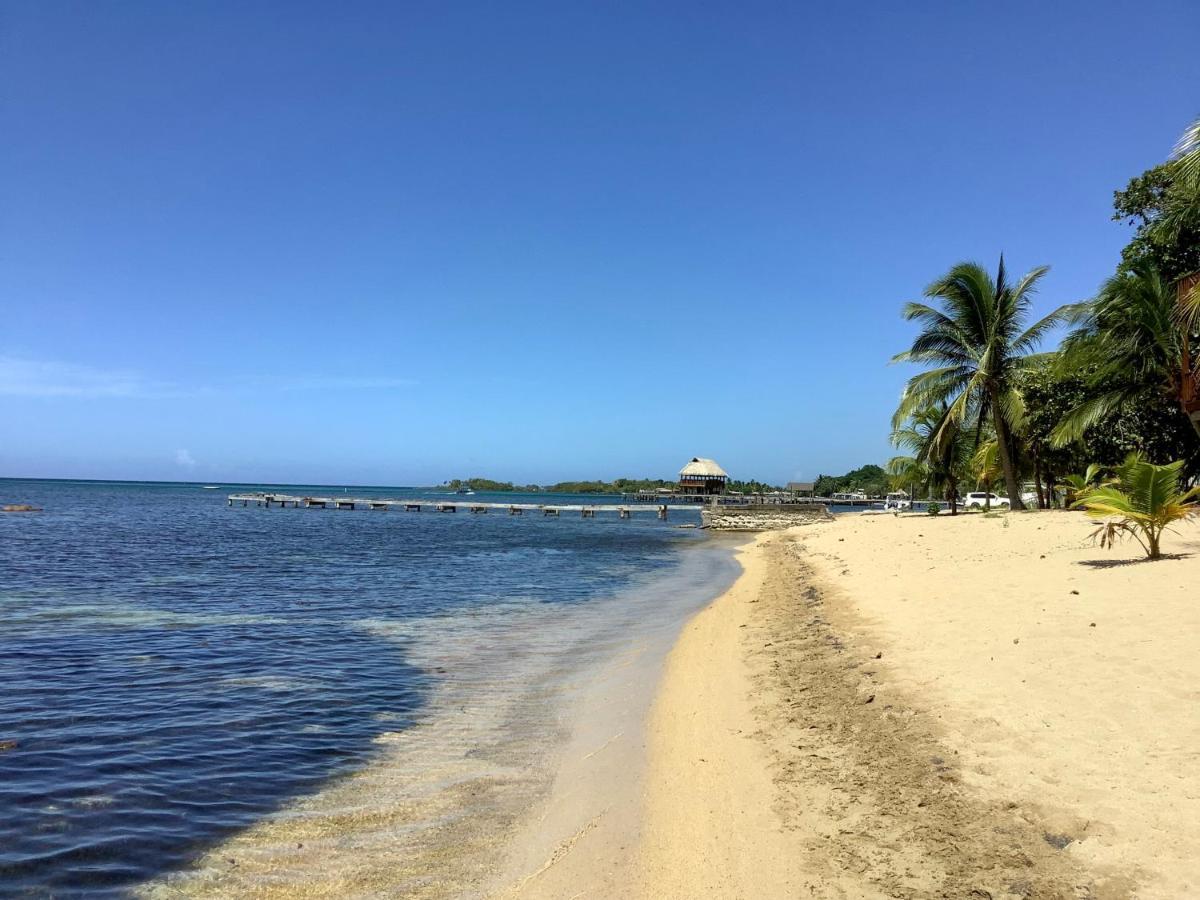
175,669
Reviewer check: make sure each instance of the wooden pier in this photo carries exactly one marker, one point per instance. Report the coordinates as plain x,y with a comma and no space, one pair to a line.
585,511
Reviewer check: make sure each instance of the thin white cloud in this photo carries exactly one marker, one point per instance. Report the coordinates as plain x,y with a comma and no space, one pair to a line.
338,383
185,459
23,377
46,378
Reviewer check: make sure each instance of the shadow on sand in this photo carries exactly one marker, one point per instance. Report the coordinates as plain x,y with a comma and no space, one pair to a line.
1117,563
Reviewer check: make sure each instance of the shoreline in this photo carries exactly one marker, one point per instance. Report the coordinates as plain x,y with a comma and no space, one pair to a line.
877,706
853,718
435,812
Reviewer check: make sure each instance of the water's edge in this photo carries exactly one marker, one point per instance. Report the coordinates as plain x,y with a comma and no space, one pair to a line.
464,801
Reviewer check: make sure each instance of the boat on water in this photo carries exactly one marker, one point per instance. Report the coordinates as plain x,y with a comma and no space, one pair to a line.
464,490
212,487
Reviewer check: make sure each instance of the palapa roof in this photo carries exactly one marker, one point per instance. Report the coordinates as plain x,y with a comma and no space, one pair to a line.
702,467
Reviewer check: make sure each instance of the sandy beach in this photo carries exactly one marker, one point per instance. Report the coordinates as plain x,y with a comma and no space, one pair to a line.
914,707
927,707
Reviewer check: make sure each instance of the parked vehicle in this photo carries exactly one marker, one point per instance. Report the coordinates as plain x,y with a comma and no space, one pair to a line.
980,500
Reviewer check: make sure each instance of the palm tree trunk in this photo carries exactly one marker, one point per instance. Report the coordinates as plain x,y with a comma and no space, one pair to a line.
1004,444
1189,383
1037,480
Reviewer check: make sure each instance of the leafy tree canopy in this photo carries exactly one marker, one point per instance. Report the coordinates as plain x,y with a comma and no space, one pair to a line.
870,479
1165,212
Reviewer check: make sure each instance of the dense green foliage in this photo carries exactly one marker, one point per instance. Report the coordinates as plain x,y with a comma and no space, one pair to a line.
977,343
752,486
1165,212
478,484
940,453
1130,346
1125,379
870,479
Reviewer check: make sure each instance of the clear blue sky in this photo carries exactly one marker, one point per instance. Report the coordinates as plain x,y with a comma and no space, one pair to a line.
397,243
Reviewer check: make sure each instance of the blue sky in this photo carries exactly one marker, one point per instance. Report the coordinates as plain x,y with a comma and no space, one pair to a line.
398,243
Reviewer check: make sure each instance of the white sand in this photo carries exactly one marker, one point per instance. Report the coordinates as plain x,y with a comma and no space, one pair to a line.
919,707
989,621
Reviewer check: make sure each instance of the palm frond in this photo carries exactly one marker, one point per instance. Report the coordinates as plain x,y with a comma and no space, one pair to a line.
1187,152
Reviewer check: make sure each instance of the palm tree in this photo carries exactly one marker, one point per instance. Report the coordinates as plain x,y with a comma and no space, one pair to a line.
978,344
1077,485
1144,501
1132,341
985,466
1182,208
939,451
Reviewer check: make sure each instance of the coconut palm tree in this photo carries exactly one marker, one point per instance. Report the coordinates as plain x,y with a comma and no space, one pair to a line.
978,343
1078,485
1132,341
1144,502
985,466
939,451
1183,207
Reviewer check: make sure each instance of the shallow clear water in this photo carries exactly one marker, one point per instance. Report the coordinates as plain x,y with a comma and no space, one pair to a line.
174,669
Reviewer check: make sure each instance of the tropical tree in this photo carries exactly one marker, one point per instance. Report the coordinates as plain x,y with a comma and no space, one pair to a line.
978,344
1131,342
939,451
1144,501
906,472
985,467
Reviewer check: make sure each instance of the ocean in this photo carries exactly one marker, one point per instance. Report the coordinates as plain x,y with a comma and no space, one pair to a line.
176,671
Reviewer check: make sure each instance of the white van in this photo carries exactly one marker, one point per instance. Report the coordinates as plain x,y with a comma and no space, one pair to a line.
980,500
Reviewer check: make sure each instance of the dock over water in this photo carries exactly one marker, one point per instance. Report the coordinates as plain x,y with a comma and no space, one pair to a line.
586,511
714,515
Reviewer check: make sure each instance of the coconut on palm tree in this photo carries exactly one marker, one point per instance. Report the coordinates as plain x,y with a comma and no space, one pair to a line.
978,343
1132,341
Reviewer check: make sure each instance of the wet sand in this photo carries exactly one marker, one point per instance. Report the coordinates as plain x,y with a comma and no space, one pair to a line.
533,700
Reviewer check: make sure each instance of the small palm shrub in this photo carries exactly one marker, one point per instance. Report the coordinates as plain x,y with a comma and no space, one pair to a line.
1077,485
1143,501
933,508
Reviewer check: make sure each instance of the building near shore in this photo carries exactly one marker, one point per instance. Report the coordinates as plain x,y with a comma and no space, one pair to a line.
801,488
702,476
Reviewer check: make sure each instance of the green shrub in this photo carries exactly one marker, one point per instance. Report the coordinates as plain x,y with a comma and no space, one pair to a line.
933,509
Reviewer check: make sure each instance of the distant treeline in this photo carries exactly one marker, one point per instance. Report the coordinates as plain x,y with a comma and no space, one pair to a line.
871,480
617,486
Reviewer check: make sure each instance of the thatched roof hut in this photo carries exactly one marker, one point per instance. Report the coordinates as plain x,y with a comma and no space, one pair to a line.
702,476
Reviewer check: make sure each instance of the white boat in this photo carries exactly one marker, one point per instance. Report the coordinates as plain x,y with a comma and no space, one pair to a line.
851,496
